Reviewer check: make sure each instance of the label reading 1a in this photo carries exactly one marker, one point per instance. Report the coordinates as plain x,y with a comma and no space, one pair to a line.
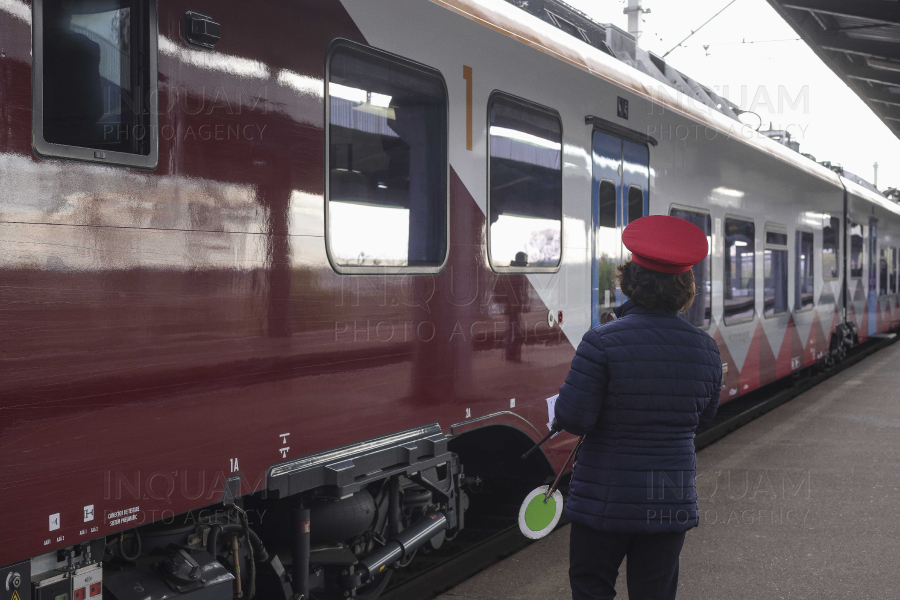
622,107
234,465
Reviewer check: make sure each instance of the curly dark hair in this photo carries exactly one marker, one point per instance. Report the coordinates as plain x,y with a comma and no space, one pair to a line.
674,291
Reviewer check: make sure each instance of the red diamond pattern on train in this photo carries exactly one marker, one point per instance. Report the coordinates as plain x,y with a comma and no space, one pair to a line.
816,343
731,376
861,324
761,366
750,371
864,324
768,366
791,353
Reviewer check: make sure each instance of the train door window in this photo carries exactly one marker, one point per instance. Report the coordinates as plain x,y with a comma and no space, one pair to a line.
831,234
700,311
525,199
873,255
856,251
607,243
739,270
95,79
894,270
804,271
886,266
635,203
775,271
636,180
387,162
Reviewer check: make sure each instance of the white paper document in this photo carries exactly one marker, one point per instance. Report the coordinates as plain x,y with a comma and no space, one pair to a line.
551,410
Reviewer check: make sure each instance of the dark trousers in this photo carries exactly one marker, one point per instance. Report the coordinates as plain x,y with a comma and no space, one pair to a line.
595,557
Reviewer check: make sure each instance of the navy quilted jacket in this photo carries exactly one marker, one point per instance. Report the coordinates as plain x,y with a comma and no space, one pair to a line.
639,387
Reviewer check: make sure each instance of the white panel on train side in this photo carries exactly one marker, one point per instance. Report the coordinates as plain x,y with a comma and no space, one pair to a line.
724,176
430,34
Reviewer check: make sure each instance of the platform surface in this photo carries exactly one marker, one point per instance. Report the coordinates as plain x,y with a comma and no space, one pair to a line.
802,503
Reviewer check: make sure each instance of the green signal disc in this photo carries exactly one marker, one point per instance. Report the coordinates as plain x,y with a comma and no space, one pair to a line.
538,518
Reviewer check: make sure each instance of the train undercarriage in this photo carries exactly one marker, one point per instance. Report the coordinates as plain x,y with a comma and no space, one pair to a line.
333,525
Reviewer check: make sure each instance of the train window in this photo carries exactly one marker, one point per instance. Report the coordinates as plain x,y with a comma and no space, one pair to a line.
831,235
887,271
635,203
896,267
606,205
775,267
856,251
701,310
873,255
739,270
95,81
387,162
607,243
805,269
525,201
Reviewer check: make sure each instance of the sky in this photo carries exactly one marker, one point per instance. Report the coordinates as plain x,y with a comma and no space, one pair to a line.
817,108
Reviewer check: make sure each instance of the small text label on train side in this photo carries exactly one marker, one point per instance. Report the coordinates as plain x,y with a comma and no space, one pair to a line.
123,516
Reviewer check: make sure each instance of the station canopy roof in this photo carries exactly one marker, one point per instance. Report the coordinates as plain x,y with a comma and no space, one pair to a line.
860,41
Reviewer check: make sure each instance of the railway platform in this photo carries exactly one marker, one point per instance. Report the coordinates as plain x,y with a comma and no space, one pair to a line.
803,502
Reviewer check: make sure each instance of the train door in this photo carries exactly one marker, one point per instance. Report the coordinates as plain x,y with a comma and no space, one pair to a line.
620,194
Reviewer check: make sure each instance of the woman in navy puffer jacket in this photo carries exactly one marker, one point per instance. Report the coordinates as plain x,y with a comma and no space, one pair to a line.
639,388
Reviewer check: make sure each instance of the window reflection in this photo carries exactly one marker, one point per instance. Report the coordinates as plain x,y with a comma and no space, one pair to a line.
873,255
387,161
775,271
607,243
96,75
525,184
831,231
635,203
805,268
739,264
856,251
369,235
894,269
700,312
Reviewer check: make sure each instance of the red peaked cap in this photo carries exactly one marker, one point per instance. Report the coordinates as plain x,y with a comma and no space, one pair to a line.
665,244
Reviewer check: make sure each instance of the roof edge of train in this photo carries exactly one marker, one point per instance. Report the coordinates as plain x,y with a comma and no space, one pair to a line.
509,20
868,195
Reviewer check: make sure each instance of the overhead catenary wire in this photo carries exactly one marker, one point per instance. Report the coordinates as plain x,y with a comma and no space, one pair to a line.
693,31
743,42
